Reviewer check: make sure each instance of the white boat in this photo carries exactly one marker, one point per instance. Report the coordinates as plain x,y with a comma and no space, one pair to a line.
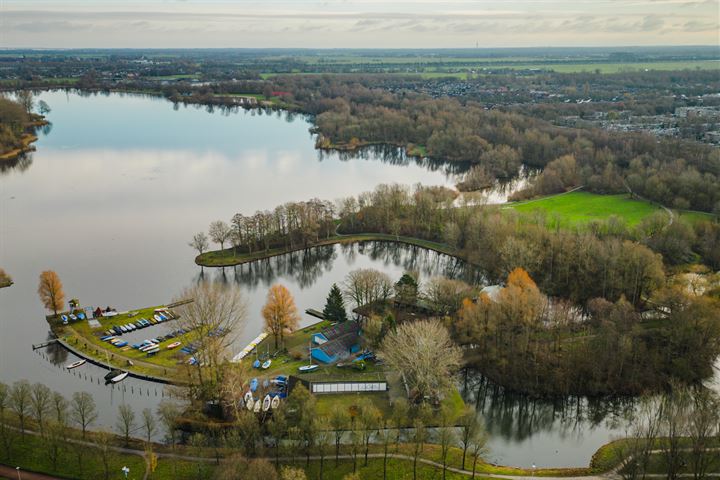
75,364
266,364
257,406
275,403
174,345
266,403
248,397
119,378
250,403
308,368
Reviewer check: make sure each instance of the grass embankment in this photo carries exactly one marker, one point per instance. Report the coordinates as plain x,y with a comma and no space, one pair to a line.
80,336
228,257
27,140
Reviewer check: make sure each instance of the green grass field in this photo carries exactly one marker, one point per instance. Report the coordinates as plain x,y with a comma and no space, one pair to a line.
579,208
437,67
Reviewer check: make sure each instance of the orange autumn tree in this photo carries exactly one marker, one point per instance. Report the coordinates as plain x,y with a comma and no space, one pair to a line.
280,313
51,292
522,303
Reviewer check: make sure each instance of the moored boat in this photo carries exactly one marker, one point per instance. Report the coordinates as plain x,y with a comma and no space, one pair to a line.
266,364
253,384
119,378
266,403
111,374
75,364
174,345
258,405
275,403
308,368
250,403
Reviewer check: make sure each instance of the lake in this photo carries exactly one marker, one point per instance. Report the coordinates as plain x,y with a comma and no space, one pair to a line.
120,183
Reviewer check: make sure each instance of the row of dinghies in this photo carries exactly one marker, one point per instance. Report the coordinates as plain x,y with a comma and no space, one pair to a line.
265,405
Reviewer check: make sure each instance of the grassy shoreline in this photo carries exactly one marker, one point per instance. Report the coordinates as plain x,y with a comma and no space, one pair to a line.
27,146
84,342
228,257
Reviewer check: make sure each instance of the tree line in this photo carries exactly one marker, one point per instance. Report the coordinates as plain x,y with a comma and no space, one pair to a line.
292,225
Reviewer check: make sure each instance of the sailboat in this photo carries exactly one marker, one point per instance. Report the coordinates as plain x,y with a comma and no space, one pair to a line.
310,367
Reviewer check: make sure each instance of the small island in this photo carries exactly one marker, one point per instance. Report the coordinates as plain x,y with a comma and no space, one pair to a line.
5,279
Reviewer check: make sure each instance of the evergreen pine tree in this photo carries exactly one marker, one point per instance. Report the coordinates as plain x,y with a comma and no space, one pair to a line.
335,306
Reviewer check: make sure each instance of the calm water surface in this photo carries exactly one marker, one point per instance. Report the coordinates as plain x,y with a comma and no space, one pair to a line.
119,184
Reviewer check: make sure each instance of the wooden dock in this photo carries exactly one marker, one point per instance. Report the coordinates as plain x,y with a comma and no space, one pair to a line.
315,313
44,344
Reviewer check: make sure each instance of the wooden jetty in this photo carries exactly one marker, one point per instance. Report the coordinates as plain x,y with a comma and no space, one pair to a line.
315,313
44,344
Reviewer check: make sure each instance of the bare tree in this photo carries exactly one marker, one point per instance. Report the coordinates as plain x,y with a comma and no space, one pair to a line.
339,420
40,396
169,414
83,410
419,435
471,432
125,421
447,437
20,401
703,425
4,403
277,428
387,436
26,99
149,425
103,440
217,314
199,242
673,422
220,233
367,286
323,437
425,355
447,294
60,408
478,446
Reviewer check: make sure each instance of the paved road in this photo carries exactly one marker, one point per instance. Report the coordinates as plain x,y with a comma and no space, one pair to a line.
11,474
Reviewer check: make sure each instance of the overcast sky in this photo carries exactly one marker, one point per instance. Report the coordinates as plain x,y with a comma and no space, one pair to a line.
357,23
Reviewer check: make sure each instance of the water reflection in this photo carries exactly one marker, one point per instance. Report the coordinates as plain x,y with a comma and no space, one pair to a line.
575,426
306,267
18,164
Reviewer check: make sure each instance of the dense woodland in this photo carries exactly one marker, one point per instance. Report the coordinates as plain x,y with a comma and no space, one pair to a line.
14,119
593,311
351,112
